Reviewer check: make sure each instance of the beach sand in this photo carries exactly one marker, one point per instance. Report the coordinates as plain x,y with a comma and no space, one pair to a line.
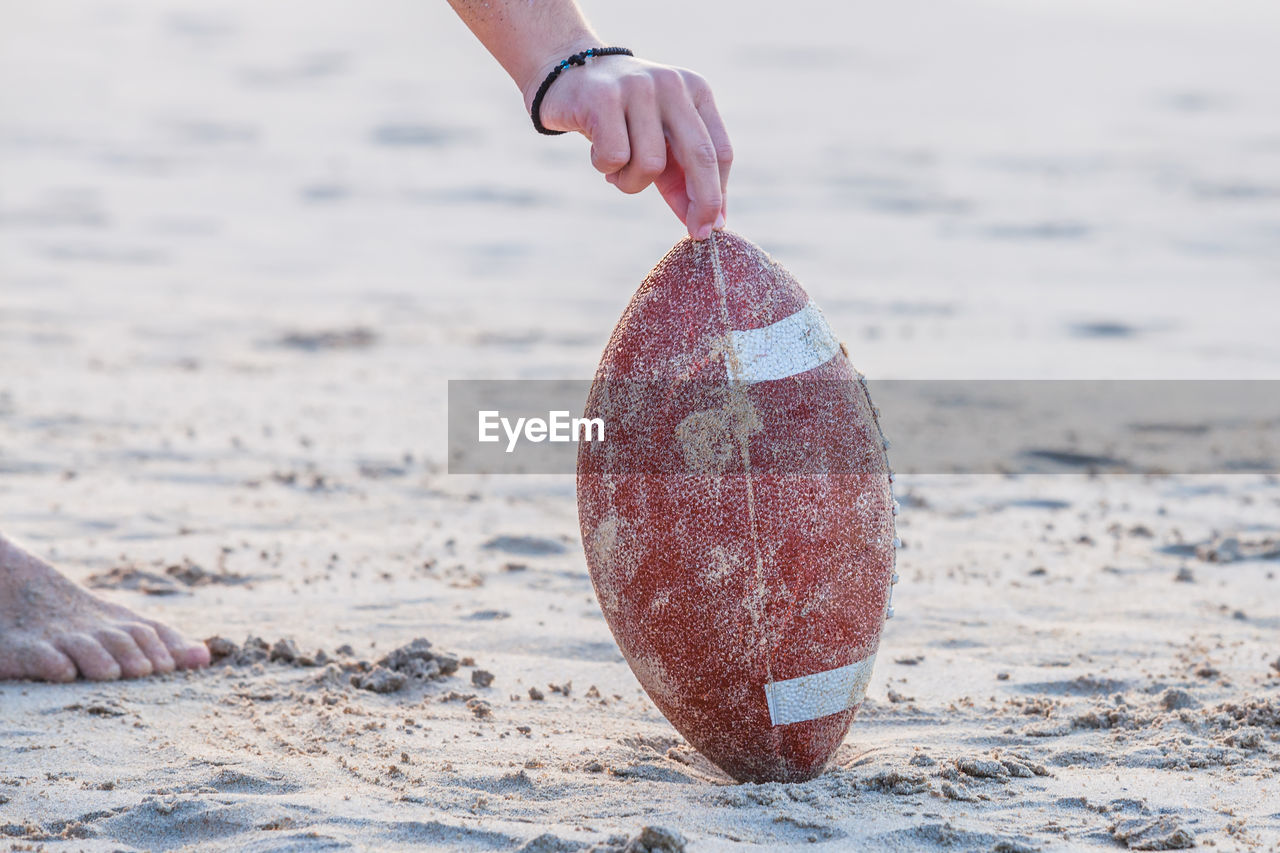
243,246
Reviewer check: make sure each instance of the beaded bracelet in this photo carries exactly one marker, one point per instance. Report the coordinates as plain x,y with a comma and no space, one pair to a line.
576,59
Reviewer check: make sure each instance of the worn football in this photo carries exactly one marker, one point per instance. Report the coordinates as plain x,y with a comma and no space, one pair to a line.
738,518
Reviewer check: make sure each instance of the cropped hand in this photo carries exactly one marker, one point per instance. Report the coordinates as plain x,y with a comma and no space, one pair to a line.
648,124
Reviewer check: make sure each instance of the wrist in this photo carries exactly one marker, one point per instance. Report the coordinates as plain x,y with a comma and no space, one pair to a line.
540,67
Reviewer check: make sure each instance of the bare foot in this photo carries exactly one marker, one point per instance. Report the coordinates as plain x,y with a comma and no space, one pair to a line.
53,630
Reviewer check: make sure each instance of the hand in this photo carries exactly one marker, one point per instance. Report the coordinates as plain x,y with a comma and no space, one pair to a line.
648,124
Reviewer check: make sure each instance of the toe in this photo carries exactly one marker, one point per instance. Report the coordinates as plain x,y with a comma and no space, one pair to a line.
186,653
122,647
149,641
42,662
196,656
90,658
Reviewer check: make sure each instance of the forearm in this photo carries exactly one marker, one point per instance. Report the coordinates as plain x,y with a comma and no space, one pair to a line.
527,37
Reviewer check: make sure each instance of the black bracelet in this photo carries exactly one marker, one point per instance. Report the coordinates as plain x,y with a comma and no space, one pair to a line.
576,59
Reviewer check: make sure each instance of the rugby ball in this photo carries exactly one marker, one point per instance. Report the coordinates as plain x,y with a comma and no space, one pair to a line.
738,517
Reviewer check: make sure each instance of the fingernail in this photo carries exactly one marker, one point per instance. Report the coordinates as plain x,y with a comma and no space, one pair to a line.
703,233
719,222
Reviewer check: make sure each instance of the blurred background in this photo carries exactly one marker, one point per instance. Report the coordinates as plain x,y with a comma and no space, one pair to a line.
975,188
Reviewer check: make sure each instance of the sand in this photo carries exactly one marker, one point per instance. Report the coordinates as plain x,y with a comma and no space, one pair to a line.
243,246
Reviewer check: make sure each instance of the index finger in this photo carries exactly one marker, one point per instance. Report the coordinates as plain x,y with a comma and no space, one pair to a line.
705,103
696,153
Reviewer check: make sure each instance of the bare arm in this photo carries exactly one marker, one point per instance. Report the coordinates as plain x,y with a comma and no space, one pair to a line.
648,123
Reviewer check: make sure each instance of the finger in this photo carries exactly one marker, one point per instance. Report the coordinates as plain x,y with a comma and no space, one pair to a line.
648,143
89,656
671,183
122,647
696,154
705,103
610,150
149,641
